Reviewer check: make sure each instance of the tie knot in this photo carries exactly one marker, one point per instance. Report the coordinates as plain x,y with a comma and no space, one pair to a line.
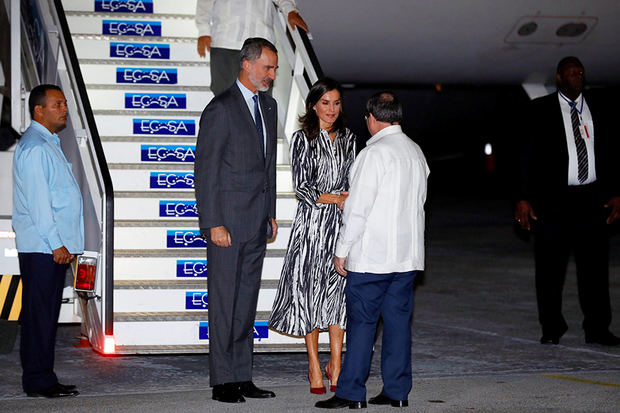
255,98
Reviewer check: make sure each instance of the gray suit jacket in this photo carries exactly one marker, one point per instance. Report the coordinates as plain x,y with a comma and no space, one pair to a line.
235,184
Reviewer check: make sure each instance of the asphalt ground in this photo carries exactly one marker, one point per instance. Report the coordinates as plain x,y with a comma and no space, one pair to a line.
475,343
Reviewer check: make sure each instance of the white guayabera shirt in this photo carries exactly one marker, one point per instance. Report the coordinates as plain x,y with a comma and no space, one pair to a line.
383,219
230,22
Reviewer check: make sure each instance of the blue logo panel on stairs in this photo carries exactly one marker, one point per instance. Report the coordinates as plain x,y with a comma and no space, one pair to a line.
146,75
131,28
124,6
196,300
140,50
177,238
177,208
167,153
136,100
167,180
260,330
143,126
191,268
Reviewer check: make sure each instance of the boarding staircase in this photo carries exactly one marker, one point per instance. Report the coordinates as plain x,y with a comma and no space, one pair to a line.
147,87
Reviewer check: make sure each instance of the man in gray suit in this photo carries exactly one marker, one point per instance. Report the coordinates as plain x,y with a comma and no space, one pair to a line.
235,179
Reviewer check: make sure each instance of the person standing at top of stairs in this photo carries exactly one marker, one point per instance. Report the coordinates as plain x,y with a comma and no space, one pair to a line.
223,25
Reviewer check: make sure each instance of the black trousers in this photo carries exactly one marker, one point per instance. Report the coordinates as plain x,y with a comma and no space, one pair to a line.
575,224
43,281
234,276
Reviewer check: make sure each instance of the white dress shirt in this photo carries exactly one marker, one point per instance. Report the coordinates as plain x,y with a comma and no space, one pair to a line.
230,22
587,134
383,220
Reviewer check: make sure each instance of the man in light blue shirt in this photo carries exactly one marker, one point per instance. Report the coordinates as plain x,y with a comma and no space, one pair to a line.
49,227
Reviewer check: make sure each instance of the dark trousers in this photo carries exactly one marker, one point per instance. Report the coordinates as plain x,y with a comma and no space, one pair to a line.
368,296
233,285
43,281
579,228
224,64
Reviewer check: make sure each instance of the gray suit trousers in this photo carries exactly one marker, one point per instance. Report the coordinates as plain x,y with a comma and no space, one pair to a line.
234,276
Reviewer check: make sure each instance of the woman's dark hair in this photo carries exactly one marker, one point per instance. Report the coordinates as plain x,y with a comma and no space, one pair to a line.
310,121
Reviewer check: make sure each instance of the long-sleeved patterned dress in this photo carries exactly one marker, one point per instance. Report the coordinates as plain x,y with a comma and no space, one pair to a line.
311,293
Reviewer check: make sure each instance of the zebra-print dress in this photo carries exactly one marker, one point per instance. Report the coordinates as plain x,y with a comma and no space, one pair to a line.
311,293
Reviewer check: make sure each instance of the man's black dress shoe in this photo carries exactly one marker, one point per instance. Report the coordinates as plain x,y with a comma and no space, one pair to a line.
56,390
338,403
249,389
68,386
383,399
607,339
549,340
227,393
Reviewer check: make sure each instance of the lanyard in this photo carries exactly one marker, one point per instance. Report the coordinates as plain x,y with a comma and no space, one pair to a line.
573,105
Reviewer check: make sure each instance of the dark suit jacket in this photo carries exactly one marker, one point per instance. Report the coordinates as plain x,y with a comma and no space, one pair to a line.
235,184
543,165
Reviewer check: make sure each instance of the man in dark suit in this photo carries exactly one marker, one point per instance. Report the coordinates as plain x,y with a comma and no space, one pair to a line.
568,195
235,179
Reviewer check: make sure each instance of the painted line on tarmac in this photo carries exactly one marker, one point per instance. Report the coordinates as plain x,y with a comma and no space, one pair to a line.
598,383
517,339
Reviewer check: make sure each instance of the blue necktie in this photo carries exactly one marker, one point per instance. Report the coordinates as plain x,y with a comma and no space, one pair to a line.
258,122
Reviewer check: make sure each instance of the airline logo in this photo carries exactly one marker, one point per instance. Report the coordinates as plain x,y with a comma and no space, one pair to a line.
184,239
192,268
260,330
124,6
167,153
186,127
144,75
196,300
178,209
175,180
139,50
155,100
131,28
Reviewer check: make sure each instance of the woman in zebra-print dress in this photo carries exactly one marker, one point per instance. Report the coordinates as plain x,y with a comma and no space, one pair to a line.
310,296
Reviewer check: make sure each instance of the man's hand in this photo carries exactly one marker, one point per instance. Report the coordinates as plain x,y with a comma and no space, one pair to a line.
294,19
62,255
274,227
523,213
339,263
204,42
343,198
220,236
614,204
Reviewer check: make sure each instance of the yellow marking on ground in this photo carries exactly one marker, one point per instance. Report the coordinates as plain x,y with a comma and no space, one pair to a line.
17,303
598,383
5,282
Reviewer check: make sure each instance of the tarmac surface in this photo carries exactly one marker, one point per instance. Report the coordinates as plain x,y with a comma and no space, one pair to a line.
475,342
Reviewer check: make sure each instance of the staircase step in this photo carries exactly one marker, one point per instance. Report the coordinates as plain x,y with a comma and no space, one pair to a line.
173,177
196,315
136,8
146,25
150,100
137,337
141,49
182,267
145,125
176,300
157,153
132,76
178,237
181,209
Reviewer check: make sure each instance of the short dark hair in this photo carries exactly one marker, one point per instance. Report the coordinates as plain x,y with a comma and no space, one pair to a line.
310,121
385,107
38,95
568,61
253,47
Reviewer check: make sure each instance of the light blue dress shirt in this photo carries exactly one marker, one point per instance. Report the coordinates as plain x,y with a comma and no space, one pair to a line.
248,96
47,202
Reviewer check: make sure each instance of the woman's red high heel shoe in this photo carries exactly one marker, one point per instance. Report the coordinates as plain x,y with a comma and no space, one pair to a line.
316,390
332,387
